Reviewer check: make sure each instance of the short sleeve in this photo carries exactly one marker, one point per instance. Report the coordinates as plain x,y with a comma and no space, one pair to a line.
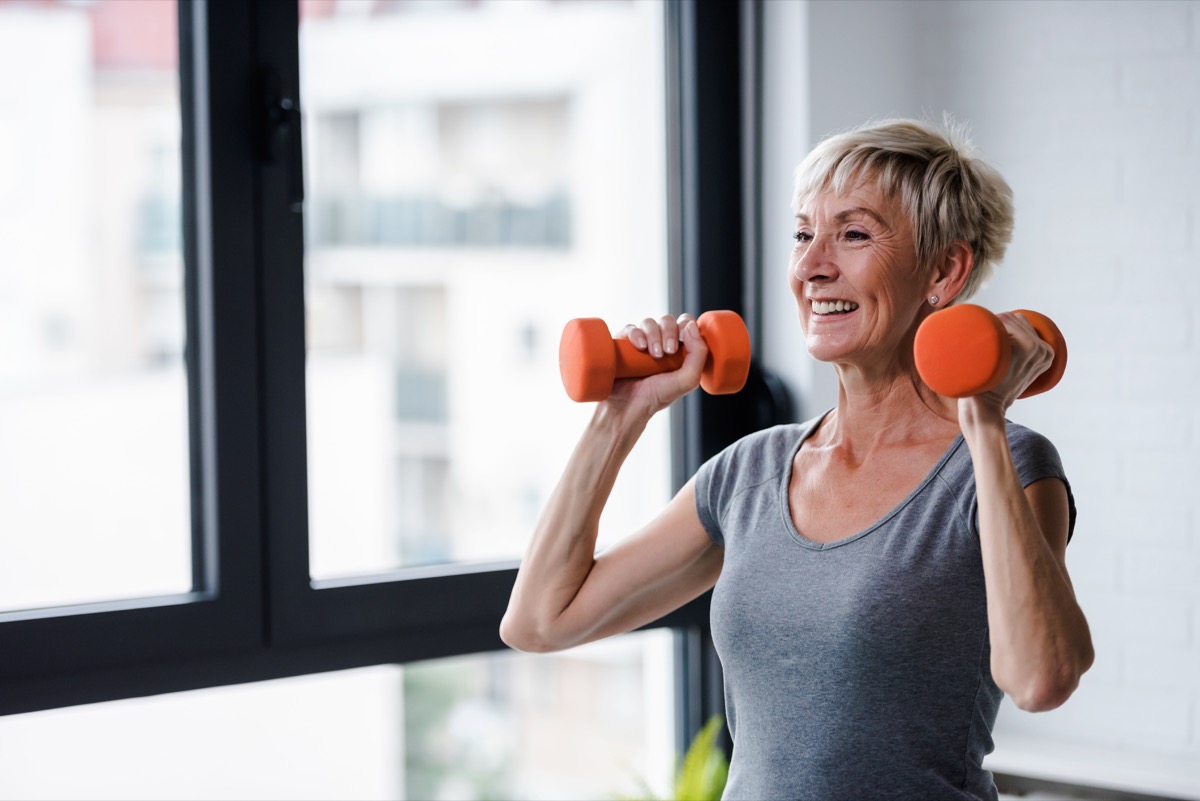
1036,458
712,479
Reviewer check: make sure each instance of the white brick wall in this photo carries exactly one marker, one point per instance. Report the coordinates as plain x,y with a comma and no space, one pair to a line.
1092,111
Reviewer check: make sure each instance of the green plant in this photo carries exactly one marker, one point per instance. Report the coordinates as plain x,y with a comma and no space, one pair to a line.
701,774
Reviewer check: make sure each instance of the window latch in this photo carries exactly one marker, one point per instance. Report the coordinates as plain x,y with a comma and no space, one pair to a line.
280,141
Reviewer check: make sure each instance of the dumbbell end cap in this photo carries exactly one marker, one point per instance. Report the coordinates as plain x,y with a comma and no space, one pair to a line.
587,359
961,351
728,364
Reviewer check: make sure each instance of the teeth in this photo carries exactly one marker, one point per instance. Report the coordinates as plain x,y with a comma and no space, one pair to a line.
833,306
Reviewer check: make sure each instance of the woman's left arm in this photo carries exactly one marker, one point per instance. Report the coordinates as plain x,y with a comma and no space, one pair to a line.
1040,641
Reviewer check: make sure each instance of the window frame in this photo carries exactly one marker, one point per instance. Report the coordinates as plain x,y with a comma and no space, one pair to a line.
256,615
84,653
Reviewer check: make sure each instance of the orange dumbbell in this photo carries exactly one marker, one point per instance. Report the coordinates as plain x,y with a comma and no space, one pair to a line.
590,360
964,350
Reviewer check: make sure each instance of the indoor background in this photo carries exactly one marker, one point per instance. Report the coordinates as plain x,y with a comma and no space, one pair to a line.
527,151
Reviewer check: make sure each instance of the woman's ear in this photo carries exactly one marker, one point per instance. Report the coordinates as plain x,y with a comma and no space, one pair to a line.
951,271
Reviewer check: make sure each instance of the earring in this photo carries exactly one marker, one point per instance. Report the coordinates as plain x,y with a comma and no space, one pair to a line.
933,300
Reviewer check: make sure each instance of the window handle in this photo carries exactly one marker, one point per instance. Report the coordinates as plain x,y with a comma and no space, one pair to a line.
280,140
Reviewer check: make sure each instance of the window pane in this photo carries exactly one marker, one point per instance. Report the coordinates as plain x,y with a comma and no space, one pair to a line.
595,722
93,411
591,723
477,174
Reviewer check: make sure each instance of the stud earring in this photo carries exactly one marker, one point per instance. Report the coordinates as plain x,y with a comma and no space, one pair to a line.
933,300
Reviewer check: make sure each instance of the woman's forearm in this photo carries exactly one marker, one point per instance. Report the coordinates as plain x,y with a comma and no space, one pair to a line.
561,553
1040,640
550,608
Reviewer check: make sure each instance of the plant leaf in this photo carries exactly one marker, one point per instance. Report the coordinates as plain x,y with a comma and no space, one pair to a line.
705,768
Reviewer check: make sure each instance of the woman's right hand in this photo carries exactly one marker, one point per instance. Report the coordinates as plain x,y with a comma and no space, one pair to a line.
662,337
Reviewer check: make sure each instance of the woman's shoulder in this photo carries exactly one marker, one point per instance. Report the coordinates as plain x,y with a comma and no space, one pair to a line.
1030,447
1034,456
777,440
779,435
754,462
1018,432
763,453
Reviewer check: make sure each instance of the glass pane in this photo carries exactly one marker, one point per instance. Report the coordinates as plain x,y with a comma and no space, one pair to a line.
478,174
94,499
592,723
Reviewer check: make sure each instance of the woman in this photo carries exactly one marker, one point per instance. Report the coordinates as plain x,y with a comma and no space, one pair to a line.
882,573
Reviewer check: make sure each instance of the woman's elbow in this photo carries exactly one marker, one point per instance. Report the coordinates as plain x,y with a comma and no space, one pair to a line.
1048,689
1042,697
520,636
516,636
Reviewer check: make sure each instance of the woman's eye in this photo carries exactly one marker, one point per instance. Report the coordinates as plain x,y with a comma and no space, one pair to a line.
858,236
802,236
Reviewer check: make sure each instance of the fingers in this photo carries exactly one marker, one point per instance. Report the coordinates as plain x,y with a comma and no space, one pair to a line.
661,338
658,337
693,342
1026,337
1031,355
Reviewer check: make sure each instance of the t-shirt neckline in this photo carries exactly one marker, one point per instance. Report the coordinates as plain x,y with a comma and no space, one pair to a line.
786,506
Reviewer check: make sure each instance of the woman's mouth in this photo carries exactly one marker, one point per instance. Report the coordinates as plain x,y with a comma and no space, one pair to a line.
822,308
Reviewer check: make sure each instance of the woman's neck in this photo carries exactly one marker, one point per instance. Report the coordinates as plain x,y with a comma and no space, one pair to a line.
898,411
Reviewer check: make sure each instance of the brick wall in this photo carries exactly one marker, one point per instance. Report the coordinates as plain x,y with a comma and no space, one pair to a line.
1092,111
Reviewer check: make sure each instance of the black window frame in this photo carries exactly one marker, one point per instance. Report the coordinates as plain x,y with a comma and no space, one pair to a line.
255,614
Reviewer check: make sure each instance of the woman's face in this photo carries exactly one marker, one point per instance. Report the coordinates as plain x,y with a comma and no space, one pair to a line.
854,274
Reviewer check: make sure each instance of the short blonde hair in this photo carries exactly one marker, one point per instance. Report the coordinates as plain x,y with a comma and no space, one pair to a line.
948,192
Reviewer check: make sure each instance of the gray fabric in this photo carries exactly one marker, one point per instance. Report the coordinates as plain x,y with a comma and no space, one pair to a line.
857,669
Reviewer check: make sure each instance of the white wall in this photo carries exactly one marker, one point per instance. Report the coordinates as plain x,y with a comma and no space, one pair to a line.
1092,111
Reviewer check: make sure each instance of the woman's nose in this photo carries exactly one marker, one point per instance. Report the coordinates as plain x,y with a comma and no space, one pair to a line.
815,262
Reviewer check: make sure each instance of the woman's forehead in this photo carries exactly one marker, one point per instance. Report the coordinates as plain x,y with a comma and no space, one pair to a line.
865,198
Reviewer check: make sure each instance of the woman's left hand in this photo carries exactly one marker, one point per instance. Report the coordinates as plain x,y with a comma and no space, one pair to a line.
1031,356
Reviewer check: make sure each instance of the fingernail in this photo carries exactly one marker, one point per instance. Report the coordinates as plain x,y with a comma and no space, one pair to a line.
656,349
670,345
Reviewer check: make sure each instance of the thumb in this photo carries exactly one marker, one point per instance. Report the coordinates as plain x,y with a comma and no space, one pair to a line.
696,347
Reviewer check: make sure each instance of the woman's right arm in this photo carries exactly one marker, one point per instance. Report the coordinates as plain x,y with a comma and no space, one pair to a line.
564,594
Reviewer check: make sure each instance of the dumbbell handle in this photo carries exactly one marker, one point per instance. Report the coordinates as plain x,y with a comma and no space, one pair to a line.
964,350
634,363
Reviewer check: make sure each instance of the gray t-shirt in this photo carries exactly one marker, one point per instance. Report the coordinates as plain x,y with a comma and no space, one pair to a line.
856,669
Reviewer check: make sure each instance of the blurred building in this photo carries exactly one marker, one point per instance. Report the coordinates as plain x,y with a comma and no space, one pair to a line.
468,192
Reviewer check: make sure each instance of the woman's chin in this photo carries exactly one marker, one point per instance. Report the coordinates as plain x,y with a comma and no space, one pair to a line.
823,349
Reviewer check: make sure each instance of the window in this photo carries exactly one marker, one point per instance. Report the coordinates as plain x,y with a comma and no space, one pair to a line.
467,202
335,324
93,394
498,725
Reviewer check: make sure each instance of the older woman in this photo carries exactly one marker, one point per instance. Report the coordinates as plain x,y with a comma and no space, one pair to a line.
884,572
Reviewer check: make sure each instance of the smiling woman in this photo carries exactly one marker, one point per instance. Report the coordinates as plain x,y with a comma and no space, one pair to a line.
1080,106
899,211
894,566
